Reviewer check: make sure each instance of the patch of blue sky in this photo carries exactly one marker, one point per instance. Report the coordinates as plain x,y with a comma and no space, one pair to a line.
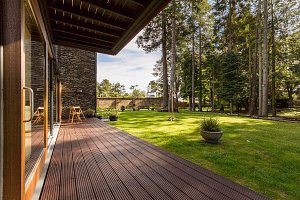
132,66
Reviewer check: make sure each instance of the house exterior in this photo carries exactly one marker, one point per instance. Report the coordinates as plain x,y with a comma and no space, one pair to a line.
153,92
48,63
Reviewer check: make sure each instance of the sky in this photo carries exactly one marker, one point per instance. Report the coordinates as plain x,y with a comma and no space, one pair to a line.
132,66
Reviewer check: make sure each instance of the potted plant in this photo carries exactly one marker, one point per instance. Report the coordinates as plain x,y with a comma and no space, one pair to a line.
99,116
211,131
113,114
89,113
122,108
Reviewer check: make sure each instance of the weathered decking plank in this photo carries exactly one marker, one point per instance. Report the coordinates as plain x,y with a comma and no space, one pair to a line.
93,160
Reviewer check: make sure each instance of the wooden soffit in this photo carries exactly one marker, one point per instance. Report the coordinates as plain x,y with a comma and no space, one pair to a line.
103,26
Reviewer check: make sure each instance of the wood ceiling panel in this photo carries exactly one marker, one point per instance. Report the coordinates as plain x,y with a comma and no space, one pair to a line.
117,9
81,41
95,41
89,24
104,26
74,31
57,5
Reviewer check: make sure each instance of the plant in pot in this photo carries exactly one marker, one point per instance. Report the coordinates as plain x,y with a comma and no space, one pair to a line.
99,116
100,113
113,114
211,131
122,108
89,113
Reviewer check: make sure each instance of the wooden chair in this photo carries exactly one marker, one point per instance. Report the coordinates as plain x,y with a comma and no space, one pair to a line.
76,112
38,115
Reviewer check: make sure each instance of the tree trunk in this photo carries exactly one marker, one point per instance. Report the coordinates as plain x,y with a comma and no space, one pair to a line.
200,70
252,105
193,72
266,63
260,79
212,91
173,60
250,70
231,107
289,88
230,28
165,66
177,85
273,63
190,103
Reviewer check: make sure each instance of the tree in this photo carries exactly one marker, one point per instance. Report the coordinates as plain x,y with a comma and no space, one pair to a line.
154,36
164,63
108,89
232,79
234,33
173,59
105,88
133,87
265,69
260,65
117,90
136,93
273,60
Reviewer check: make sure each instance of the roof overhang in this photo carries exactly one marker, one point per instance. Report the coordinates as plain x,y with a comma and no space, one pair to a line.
103,26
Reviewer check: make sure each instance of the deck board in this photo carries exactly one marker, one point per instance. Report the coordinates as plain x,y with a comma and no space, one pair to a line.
94,160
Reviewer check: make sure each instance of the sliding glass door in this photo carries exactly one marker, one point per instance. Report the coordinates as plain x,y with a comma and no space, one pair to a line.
34,94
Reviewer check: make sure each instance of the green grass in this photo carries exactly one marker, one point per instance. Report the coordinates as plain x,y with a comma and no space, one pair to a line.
260,154
290,112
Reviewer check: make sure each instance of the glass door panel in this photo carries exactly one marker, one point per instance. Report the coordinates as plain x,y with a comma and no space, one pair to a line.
34,92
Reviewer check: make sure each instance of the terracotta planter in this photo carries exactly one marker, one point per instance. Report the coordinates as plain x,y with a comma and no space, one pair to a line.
212,137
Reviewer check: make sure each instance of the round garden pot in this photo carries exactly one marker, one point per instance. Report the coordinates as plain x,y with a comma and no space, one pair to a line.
212,137
100,117
113,118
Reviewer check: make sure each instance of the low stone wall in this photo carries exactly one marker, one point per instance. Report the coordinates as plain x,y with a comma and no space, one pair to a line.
128,102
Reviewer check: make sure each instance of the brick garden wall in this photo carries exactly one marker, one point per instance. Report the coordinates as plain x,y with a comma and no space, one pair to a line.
78,74
128,102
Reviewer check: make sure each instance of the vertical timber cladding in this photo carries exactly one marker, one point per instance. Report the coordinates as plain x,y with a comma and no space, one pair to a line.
1,102
78,74
13,64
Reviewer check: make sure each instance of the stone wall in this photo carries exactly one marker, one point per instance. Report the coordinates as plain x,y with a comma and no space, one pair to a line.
78,74
35,72
128,102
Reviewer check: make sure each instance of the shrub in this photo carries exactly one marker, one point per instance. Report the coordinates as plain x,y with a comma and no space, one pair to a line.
210,125
112,112
89,112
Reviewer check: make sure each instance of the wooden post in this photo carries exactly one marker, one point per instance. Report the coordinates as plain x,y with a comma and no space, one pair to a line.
13,66
46,100
1,101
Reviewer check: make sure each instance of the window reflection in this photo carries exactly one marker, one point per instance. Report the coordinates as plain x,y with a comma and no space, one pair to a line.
34,79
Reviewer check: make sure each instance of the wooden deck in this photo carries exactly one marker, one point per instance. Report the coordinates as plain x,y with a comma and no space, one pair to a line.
93,160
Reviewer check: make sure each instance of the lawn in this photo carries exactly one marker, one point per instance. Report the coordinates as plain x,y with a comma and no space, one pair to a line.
290,113
260,154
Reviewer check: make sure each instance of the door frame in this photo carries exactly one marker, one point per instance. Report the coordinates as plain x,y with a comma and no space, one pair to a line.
35,174
13,23
13,64
1,102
